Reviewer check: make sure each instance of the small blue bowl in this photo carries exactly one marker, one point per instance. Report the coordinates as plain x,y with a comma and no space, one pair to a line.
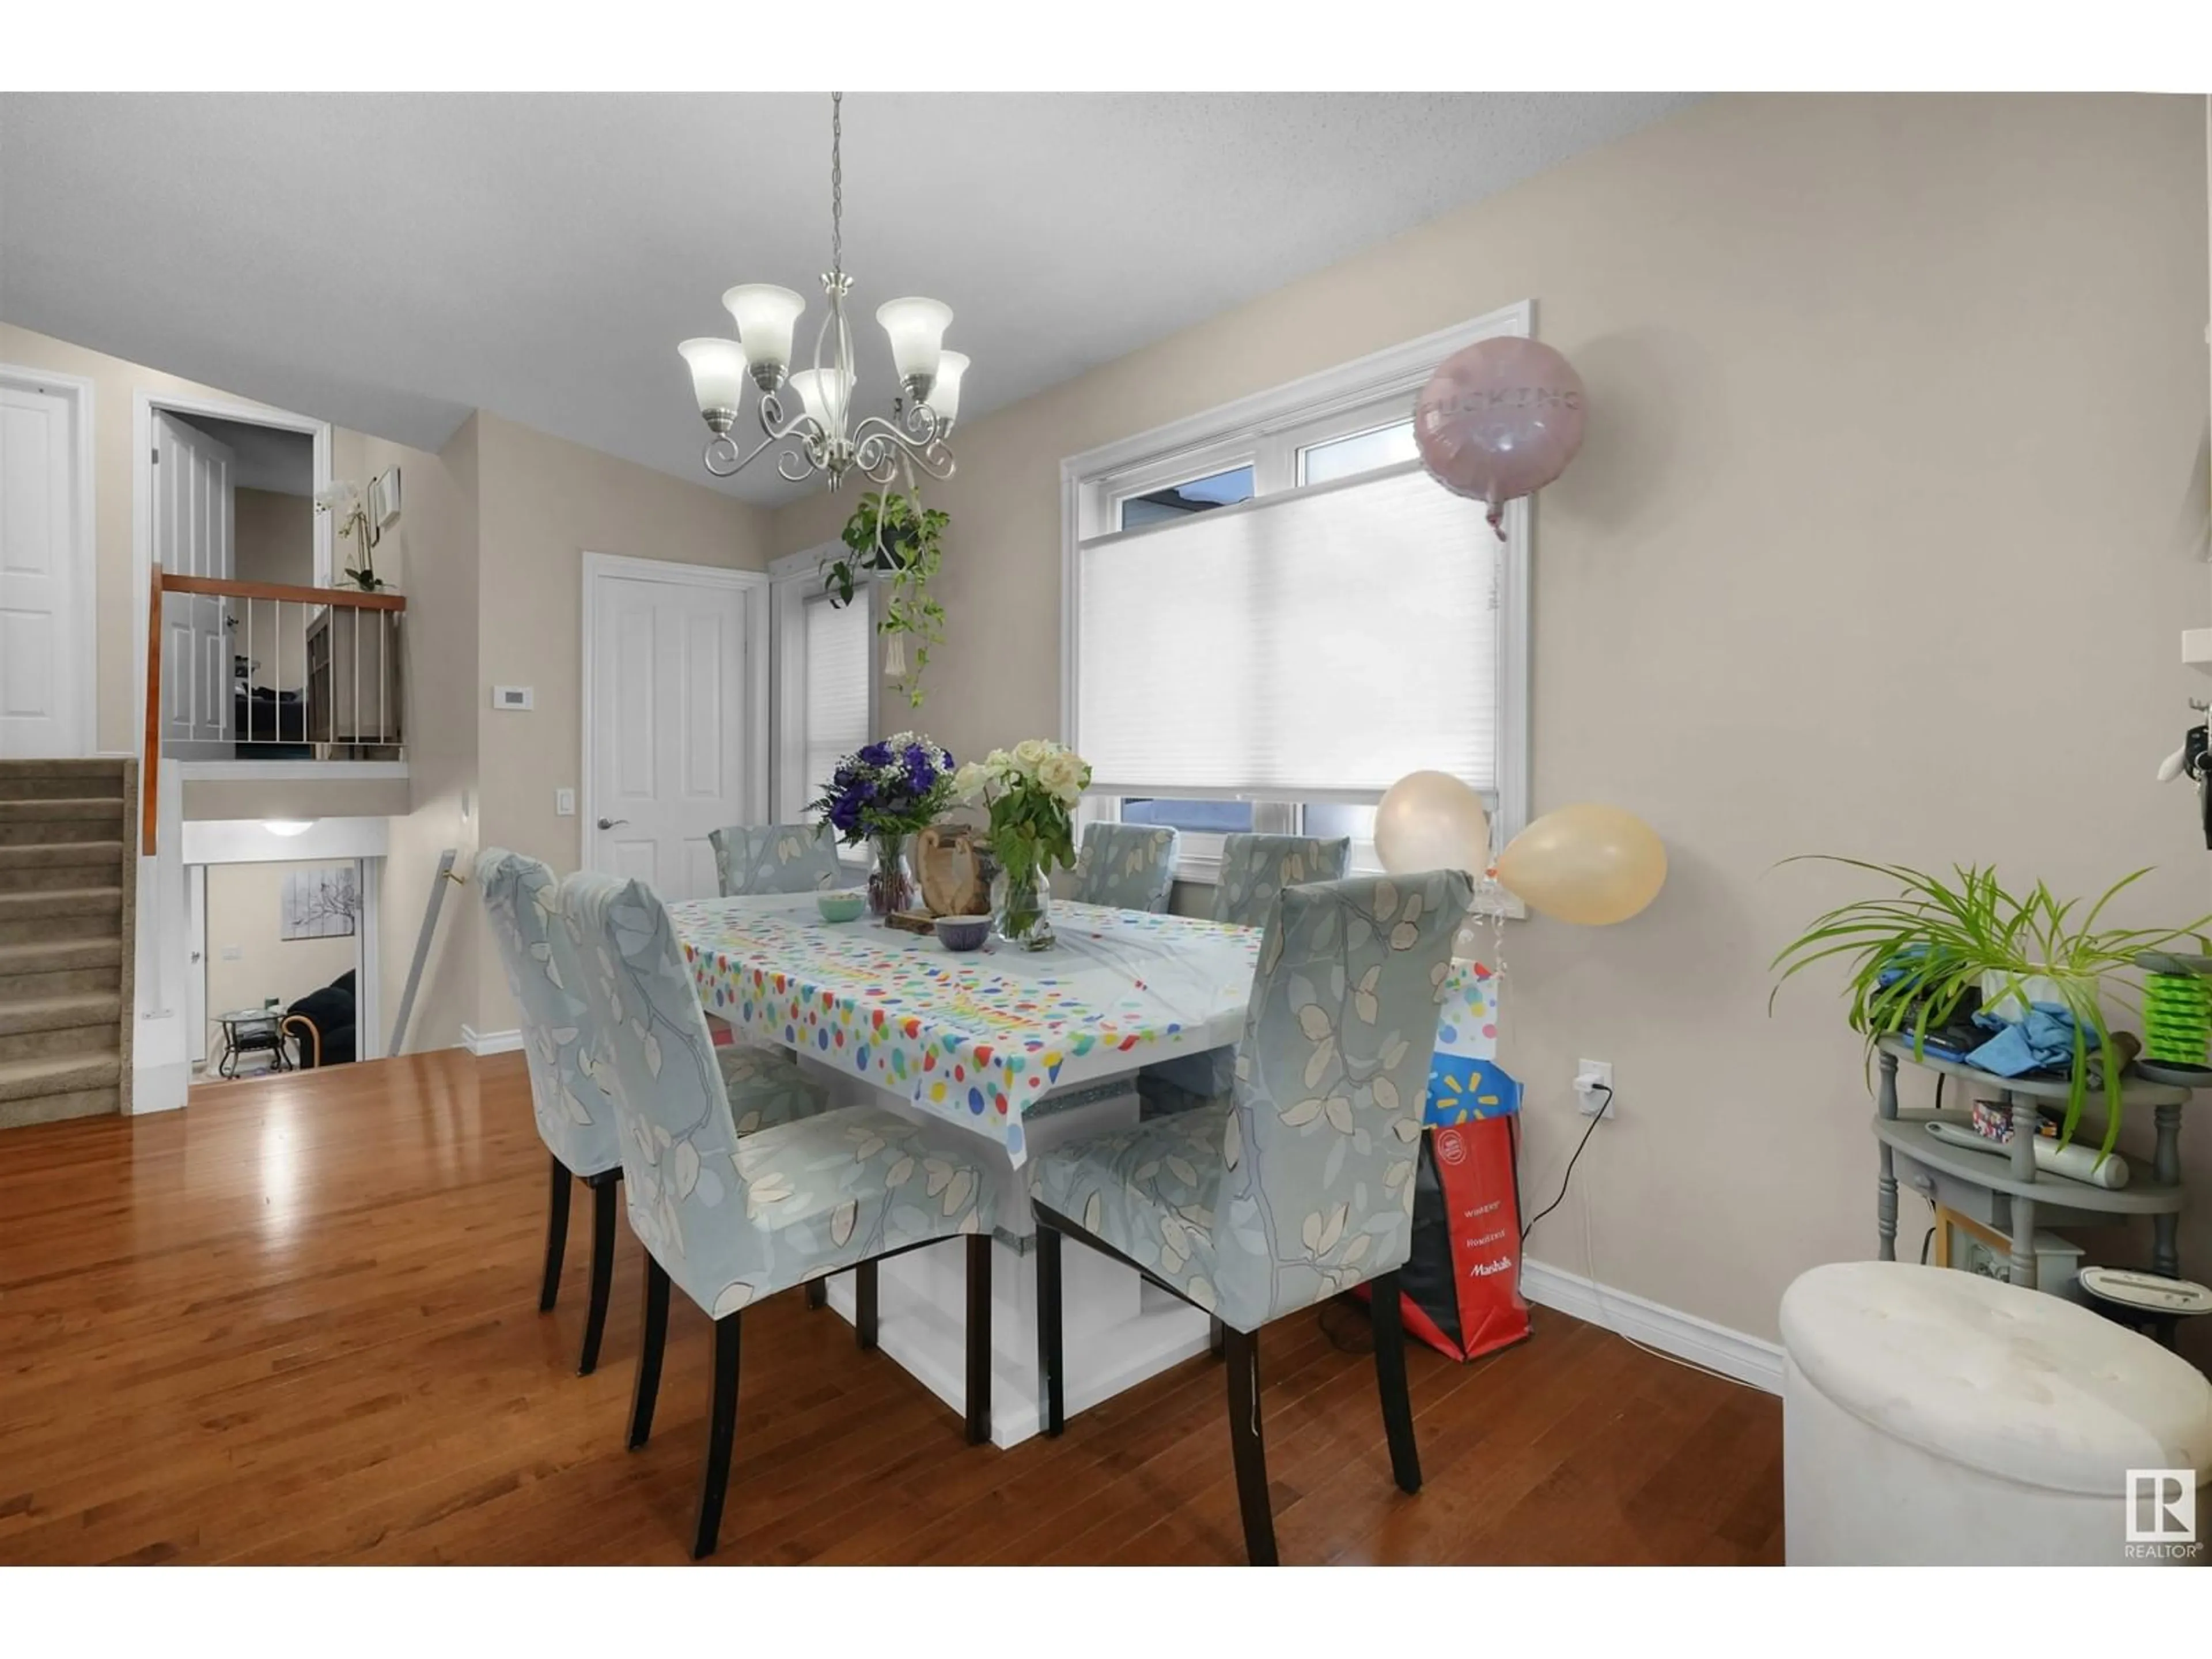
841,907
962,932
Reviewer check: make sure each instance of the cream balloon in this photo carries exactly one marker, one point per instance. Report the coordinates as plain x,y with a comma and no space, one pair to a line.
1588,863
1431,820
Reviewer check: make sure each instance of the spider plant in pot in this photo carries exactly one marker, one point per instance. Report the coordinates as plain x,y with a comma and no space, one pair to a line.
893,536
1915,957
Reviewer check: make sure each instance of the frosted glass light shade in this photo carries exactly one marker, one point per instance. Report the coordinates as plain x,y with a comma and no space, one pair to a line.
718,372
765,315
917,330
945,397
824,396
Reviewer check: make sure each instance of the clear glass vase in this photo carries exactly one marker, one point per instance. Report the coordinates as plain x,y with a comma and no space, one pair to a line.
1022,904
890,880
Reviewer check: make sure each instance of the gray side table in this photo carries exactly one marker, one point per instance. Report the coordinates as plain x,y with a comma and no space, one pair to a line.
2011,1174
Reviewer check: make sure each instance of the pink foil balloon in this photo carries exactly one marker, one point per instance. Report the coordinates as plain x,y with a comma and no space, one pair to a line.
1499,420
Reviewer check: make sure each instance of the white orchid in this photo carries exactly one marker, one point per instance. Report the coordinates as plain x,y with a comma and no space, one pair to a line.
341,496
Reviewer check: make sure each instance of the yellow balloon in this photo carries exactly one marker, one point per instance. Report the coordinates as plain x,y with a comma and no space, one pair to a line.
1587,863
1431,820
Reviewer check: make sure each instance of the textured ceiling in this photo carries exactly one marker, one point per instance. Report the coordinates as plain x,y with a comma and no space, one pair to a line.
390,262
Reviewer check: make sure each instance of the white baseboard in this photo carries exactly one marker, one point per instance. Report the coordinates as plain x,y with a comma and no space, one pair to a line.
160,1087
490,1042
1747,1358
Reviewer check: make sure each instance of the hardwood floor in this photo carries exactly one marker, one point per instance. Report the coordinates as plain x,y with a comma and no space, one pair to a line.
297,1322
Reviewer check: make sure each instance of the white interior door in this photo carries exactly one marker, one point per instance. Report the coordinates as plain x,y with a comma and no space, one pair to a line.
669,720
195,523
45,589
196,1017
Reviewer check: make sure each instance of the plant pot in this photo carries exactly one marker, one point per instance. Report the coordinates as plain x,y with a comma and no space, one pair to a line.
2008,996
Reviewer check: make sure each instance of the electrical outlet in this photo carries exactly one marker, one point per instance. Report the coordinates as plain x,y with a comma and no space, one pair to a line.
564,802
1594,1087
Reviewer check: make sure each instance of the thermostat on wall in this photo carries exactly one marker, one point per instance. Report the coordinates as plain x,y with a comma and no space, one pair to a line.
513,696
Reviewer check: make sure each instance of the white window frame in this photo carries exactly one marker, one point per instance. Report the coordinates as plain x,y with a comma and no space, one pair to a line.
793,582
1267,431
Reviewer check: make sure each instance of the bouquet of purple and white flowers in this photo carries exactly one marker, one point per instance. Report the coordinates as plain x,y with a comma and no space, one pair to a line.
892,787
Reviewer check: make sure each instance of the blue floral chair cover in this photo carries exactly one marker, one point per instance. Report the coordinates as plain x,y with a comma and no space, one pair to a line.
576,1119
1254,869
1130,867
568,1087
1301,1184
774,858
732,1219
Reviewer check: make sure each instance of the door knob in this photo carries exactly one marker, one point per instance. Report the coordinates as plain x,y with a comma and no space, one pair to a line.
609,823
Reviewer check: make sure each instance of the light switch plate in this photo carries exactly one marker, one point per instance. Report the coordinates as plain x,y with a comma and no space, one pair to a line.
514,697
564,802
233,952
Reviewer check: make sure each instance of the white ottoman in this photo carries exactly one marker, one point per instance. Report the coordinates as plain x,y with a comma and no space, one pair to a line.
1934,1416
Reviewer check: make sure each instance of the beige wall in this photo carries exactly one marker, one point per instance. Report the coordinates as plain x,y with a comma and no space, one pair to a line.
274,538
544,502
244,912
296,797
436,541
1890,508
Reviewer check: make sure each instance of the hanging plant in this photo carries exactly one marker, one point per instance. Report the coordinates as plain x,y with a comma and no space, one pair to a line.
892,536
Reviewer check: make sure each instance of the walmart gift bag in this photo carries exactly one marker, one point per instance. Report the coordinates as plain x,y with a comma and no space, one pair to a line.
1461,1286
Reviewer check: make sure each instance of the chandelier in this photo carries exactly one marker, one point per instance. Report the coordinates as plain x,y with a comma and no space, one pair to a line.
821,437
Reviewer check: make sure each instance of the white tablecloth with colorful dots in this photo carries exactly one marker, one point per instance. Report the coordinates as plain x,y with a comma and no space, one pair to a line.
975,1038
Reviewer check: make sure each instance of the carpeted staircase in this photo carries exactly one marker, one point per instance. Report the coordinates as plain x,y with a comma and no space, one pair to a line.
69,855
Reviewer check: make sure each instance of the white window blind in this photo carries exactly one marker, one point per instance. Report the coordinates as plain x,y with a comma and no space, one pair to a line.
837,668
1320,642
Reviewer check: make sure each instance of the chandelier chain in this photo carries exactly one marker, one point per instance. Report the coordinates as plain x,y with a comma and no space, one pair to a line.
837,181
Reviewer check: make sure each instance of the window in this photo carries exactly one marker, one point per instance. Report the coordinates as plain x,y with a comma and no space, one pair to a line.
1363,451
1180,501
835,721
823,676
1272,613
1209,818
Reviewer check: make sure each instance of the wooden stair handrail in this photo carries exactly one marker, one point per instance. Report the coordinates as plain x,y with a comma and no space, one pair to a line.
223,587
150,781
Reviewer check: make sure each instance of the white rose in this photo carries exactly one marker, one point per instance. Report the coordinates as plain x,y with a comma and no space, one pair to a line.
1062,774
968,782
1029,754
999,760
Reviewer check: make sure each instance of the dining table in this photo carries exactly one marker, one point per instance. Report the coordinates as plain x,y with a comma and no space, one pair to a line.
1026,1050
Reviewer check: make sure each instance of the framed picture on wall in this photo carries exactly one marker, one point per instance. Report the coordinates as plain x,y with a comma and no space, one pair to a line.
324,902
383,502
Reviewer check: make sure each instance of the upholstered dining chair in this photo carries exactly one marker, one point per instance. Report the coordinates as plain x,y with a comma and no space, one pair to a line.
729,1220
1130,867
1254,869
1299,1185
567,1092
774,858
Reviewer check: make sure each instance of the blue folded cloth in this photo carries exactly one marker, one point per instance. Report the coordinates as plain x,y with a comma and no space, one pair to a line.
2044,1041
